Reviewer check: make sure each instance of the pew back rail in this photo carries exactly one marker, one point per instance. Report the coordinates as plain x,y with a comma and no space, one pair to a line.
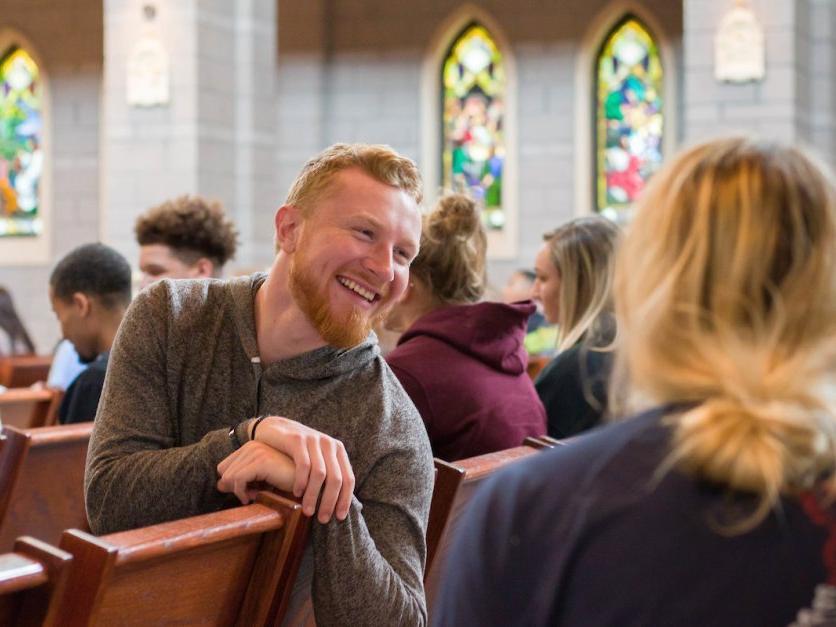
233,567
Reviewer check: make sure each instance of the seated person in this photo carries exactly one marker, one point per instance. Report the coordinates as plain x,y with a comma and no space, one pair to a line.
214,385
461,361
574,275
14,339
714,506
65,367
185,238
540,336
90,290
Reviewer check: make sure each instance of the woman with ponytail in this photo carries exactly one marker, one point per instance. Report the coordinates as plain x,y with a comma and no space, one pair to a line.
462,361
714,503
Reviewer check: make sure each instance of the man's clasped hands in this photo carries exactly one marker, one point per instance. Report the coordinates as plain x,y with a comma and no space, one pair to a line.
294,458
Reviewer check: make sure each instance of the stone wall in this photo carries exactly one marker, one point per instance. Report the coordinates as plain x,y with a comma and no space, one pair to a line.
258,86
353,70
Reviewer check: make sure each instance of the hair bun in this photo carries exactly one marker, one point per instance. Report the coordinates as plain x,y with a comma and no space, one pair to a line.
456,215
749,446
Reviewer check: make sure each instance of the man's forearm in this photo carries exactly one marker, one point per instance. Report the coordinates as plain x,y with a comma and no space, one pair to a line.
126,489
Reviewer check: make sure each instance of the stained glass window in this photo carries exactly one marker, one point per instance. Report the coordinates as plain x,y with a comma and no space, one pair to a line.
473,107
21,152
629,119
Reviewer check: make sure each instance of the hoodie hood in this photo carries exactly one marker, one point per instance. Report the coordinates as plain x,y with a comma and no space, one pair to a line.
321,363
492,333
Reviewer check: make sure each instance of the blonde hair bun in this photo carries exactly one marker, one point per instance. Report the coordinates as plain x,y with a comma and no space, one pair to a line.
781,445
456,215
724,292
451,260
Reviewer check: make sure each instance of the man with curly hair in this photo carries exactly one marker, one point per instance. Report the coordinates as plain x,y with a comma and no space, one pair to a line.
185,238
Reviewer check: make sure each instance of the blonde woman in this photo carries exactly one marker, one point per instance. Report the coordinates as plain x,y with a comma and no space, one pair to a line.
573,284
460,360
714,505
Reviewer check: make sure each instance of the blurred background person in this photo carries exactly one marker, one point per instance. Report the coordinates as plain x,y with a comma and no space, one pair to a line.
573,284
188,237
90,289
14,339
462,361
540,336
715,505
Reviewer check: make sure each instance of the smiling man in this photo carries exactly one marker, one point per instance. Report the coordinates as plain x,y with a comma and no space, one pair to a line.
214,385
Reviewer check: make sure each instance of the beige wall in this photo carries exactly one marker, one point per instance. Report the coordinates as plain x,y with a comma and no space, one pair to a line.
258,86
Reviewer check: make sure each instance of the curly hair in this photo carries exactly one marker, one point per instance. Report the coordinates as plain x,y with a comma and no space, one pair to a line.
192,227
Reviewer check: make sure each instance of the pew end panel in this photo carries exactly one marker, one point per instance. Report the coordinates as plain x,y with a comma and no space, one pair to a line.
47,493
231,567
448,478
32,580
473,472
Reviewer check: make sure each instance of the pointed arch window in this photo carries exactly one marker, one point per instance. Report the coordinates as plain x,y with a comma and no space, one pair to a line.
473,115
21,152
629,119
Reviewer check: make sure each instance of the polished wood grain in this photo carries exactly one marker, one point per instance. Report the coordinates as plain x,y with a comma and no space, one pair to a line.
233,567
45,492
448,478
32,580
28,408
19,371
536,442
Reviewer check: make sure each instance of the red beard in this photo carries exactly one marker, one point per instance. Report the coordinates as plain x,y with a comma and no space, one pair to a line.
311,295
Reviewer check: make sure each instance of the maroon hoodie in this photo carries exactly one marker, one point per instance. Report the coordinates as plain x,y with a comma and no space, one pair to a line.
464,367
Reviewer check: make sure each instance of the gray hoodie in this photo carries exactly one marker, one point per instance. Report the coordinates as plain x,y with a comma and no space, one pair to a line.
182,372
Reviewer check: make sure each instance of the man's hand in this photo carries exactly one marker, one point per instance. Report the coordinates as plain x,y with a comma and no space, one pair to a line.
321,464
255,461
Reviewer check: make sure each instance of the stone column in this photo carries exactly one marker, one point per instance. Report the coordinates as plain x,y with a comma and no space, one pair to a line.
794,101
215,133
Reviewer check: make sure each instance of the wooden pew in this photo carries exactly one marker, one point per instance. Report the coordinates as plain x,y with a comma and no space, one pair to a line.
537,442
545,441
27,408
20,371
32,579
535,364
233,567
44,482
455,485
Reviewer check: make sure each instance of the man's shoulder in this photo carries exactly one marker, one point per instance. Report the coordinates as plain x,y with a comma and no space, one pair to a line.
393,398
189,299
187,294
397,411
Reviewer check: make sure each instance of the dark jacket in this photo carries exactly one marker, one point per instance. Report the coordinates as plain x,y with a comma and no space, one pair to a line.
82,397
587,534
465,368
573,388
